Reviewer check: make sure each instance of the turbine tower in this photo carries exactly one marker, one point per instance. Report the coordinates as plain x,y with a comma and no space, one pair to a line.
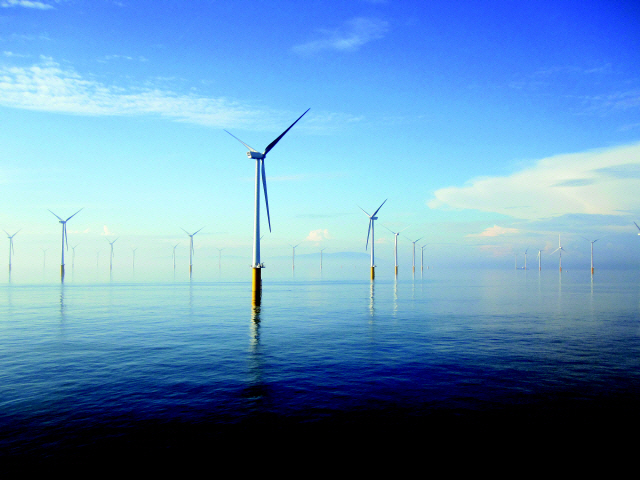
293,257
191,251
174,256
259,158
559,249
414,253
422,257
395,250
539,260
321,257
64,238
592,242
133,262
111,255
525,258
219,257
372,218
10,245
73,256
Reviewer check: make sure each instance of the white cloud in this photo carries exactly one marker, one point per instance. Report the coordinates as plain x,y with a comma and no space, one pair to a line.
354,34
318,235
25,4
47,87
105,231
603,182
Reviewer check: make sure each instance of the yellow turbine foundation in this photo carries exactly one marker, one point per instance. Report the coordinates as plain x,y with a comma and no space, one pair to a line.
396,271
591,270
256,286
373,273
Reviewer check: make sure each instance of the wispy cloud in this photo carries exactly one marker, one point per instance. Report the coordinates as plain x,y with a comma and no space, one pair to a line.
46,86
25,4
348,38
495,231
603,182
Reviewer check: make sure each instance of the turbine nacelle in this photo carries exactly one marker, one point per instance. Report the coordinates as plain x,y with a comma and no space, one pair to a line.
256,155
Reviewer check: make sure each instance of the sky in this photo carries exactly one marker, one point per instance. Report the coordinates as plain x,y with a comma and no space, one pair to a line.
490,127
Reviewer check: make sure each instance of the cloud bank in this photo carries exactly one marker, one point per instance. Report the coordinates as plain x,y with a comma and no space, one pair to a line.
602,182
25,4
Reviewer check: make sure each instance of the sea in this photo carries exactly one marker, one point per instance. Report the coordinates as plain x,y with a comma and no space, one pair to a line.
166,368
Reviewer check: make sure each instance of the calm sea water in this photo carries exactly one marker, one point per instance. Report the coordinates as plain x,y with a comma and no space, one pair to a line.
163,367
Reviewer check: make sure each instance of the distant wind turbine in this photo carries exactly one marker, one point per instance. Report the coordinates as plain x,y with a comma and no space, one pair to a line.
372,219
65,240
395,246
539,260
321,257
133,263
525,258
293,257
174,255
191,251
111,255
422,257
559,249
592,242
414,253
219,257
11,250
260,173
44,260
73,256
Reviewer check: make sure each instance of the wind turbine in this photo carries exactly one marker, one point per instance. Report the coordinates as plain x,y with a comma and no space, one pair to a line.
414,254
559,249
191,251
525,258
219,257
133,264
592,242
73,256
395,251
64,238
259,158
372,218
11,250
174,255
422,257
111,255
293,258
44,260
321,257
539,260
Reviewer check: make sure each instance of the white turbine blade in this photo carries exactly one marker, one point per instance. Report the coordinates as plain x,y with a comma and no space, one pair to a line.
266,198
250,148
390,230
374,213
633,223
6,233
197,231
418,240
74,214
273,144
185,231
368,232
364,211
64,234
63,220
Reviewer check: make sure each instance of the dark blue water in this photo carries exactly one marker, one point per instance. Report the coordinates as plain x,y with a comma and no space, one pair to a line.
159,369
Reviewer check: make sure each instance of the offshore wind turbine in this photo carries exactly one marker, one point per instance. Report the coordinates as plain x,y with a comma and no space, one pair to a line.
395,251
592,242
11,250
174,255
257,266
191,251
559,249
73,256
293,257
414,253
539,260
219,257
422,257
321,257
372,218
65,240
525,258
111,255
133,264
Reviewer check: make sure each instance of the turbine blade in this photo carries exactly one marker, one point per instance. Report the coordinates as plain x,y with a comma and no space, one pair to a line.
273,144
374,214
368,232
390,230
74,214
197,231
264,185
66,239
63,220
364,211
185,231
250,148
633,223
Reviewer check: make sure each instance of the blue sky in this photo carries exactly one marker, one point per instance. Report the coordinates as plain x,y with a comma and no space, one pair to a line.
491,127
